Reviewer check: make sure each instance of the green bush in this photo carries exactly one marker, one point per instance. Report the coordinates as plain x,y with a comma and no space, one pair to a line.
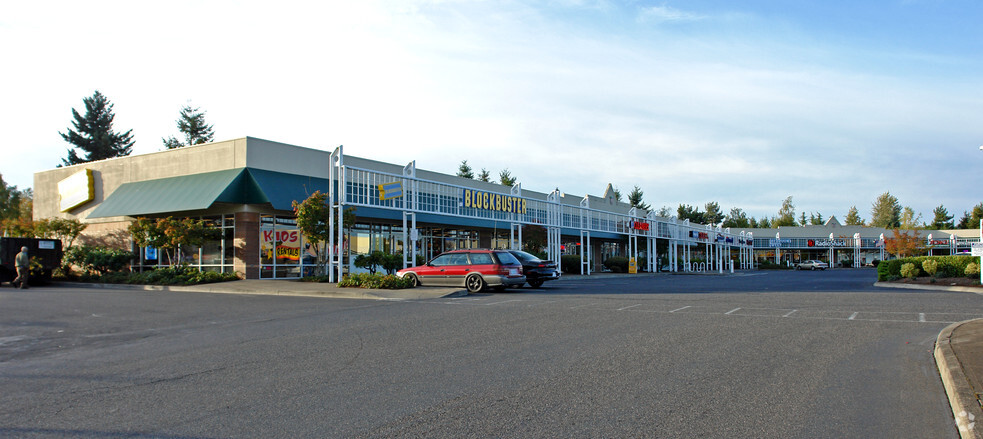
570,264
908,270
180,275
375,281
98,259
947,266
972,269
930,266
768,264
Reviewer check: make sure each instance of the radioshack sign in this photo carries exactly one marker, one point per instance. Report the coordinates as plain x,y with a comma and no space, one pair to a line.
827,243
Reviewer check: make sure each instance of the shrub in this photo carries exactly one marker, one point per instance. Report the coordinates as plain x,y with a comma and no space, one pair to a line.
98,259
375,281
908,270
180,275
882,271
570,264
617,264
930,266
972,269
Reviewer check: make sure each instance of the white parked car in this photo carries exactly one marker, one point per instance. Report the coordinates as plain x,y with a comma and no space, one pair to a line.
811,265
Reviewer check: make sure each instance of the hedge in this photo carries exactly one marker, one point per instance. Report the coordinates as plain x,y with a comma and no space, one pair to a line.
947,266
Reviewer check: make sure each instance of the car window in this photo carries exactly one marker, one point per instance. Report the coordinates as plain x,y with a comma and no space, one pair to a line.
442,260
524,256
481,259
460,259
506,258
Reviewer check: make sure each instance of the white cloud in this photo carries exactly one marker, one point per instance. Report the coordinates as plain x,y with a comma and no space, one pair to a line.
663,13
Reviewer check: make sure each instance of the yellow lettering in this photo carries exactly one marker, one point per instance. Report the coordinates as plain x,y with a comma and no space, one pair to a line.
498,202
523,207
484,200
467,198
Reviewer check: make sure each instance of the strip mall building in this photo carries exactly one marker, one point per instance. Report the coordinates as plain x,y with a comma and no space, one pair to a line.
245,187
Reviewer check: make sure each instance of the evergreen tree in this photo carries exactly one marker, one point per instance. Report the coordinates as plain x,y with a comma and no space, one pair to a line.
687,212
802,219
819,219
786,215
942,219
886,212
192,124
93,133
484,176
505,177
853,217
664,211
464,170
971,220
635,199
764,223
713,215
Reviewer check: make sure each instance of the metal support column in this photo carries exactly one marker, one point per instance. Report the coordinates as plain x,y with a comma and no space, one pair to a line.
554,221
410,207
336,198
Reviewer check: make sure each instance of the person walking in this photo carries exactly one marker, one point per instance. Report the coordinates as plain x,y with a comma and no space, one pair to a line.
23,263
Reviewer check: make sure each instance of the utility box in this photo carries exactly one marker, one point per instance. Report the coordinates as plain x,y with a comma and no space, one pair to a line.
45,257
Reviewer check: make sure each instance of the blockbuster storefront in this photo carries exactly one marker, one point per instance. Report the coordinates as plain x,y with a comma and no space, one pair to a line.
246,187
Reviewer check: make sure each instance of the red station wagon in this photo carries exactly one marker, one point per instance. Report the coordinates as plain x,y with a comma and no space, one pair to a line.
472,268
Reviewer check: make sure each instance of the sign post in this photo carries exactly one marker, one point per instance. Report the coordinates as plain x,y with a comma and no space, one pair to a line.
978,250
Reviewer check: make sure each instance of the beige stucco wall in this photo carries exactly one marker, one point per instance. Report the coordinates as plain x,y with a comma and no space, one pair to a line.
110,174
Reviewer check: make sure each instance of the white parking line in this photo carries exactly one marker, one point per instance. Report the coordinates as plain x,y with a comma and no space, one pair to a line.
853,316
731,311
680,309
790,313
581,306
505,301
921,317
629,307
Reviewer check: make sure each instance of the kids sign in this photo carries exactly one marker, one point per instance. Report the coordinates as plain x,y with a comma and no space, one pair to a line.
493,201
282,245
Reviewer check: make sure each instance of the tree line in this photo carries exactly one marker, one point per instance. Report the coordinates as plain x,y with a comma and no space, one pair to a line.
93,137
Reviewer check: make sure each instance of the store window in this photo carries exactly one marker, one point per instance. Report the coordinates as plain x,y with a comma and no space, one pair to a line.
216,255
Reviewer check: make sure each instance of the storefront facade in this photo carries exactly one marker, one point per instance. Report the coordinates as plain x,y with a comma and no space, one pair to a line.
246,187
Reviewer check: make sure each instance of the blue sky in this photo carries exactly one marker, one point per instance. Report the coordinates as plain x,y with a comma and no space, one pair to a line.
742,103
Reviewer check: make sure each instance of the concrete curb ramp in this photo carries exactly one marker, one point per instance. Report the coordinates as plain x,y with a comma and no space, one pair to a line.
962,396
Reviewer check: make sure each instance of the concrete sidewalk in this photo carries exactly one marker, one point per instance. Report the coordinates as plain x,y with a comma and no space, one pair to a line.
959,355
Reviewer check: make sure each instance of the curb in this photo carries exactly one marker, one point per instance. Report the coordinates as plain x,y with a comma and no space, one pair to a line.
334,292
929,287
966,409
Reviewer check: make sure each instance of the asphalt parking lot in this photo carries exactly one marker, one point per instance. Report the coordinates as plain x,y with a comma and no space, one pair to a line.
762,354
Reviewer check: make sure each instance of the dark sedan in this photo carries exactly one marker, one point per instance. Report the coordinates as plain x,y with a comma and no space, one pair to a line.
536,270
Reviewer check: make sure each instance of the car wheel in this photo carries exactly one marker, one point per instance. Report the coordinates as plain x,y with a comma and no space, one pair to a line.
813,268
798,267
415,281
535,283
474,283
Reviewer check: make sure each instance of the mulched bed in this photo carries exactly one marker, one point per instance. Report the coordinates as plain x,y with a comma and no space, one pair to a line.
943,281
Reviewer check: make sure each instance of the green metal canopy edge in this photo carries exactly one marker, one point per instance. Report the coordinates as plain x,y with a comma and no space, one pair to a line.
201,191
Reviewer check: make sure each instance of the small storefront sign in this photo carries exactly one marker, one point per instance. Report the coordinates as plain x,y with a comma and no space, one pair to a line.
388,191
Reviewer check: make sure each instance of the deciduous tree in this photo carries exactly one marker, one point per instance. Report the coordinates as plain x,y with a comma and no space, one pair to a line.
904,244
786,215
885,212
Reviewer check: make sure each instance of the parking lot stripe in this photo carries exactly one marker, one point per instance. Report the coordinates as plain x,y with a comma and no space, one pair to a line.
731,311
790,313
680,309
853,316
921,317
627,307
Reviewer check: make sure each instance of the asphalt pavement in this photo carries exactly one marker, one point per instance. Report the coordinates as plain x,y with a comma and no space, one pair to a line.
958,351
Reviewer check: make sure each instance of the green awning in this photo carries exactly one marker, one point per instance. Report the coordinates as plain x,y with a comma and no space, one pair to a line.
201,191
179,194
283,189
